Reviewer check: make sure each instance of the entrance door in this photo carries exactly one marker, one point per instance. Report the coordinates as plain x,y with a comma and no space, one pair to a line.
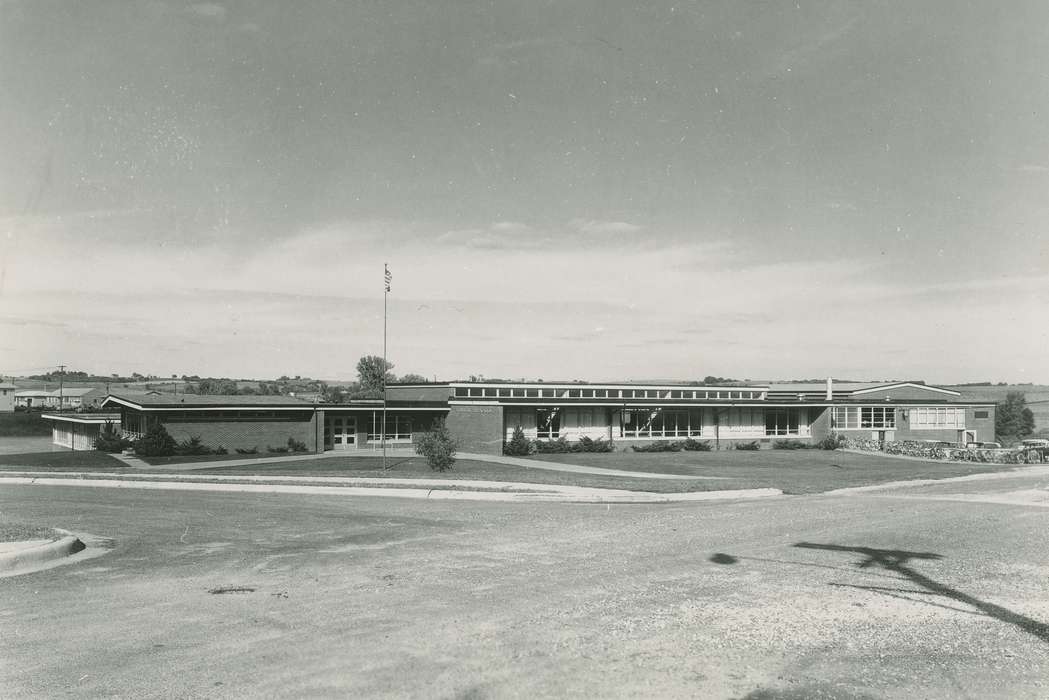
343,432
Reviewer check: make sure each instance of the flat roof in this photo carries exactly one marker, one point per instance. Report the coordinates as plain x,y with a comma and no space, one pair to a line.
158,401
82,417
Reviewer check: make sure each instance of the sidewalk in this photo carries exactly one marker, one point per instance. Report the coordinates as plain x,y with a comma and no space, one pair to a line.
431,489
401,453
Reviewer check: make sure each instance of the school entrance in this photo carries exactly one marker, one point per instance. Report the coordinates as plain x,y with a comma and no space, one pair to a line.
340,433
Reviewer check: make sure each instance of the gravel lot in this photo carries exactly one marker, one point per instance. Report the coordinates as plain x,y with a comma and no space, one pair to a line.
884,595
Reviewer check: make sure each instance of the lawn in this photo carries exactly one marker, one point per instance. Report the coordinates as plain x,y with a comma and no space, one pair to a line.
794,472
24,424
62,461
190,459
416,468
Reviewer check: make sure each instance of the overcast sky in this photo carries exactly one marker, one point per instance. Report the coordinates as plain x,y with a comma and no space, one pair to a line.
579,190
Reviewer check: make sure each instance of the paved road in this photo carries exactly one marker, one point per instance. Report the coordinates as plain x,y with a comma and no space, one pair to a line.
936,591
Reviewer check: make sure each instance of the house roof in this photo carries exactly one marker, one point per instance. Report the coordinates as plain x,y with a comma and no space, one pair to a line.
33,393
204,401
74,391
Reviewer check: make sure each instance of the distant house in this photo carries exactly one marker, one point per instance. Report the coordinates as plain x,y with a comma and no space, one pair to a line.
77,431
77,398
33,399
7,397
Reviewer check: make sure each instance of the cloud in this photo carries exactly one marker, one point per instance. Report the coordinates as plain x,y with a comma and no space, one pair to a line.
1033,168
208,10
595,227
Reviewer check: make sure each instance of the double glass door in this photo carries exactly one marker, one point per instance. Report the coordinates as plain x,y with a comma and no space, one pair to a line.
342,432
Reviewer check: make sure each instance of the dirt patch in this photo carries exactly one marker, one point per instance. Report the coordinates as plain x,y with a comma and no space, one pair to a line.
224,590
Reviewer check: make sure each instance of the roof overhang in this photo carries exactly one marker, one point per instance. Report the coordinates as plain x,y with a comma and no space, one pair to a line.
197,407
905,385
93,419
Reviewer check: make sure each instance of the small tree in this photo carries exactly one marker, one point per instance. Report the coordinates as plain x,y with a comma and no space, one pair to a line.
110,440
438,447
156,442
1012,419
519,445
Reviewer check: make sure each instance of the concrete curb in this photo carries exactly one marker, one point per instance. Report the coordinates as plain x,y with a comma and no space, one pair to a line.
547,494
1017,473
33,557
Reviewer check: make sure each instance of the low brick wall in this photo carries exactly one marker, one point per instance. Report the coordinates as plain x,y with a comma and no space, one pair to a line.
246,434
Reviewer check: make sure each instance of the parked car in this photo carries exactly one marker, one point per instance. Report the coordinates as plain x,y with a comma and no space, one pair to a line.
983,445
1034,442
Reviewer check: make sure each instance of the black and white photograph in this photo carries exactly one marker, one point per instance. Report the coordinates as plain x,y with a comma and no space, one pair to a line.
557,349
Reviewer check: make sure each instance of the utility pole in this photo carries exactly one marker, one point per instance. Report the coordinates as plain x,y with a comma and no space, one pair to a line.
61,386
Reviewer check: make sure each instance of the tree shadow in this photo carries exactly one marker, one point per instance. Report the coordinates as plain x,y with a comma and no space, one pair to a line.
896,561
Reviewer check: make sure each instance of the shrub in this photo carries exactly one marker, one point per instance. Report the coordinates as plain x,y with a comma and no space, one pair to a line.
248,450
831,442
438,447
193,446
659,446
789,445
558,446
220,450
749,446
156,442
587,444
110,440
277,450
692,445
519,445
296,445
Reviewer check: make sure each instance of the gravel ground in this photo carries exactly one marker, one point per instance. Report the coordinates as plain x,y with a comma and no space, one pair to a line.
859,596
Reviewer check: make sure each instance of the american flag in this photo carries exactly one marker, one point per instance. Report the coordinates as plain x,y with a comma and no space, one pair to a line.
389,278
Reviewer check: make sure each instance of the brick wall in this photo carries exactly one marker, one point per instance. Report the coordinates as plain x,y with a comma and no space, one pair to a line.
246,433
478,428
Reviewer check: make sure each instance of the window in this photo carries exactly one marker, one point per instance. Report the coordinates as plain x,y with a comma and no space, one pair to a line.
864,417
659,424
781,421
398,427
937,418
586,418
548,423
980,414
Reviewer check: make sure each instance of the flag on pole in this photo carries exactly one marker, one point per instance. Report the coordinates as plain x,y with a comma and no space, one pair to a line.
389,278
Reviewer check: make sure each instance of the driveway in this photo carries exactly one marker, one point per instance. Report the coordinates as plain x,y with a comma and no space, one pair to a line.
932,592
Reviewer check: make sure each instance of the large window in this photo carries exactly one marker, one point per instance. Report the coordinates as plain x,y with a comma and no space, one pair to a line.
781,421
864,417
398,427
937,418
548,423
660,424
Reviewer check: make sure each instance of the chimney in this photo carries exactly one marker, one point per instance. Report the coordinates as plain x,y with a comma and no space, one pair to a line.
830,389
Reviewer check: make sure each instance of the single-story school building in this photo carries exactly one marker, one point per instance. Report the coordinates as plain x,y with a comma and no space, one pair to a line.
78,431
483,415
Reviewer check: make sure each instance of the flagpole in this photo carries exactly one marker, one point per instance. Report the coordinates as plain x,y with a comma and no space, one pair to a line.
386,293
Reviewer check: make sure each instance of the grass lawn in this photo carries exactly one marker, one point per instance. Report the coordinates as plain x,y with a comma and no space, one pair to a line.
62,461
20,532
416,468
24,424
793,471
189,459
